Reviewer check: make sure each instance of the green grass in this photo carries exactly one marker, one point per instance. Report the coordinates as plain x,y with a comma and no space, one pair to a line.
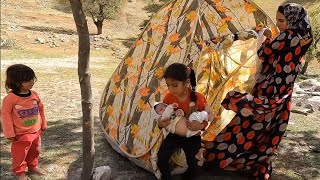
296,159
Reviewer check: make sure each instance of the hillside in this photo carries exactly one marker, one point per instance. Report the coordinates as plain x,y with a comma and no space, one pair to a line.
51,32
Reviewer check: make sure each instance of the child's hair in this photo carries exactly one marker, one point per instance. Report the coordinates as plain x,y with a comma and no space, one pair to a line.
181,72
155,106
16,75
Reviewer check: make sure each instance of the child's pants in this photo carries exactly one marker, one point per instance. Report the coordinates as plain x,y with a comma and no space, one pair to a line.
190,147
25,152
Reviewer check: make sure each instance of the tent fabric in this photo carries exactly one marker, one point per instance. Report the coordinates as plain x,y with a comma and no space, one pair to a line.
185,31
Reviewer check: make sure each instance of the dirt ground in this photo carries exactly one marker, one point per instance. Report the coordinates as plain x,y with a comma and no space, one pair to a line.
46,40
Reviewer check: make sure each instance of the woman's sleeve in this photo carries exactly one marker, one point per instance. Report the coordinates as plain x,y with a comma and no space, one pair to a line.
270,48
287,47
6,118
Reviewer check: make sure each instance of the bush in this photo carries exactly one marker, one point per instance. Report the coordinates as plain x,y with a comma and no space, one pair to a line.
98,9
313,52
102,9
9,44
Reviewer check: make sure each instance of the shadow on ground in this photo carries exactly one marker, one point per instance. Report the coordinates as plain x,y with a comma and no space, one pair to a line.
121,167
58,30
298,156
128,42
293,161
60,145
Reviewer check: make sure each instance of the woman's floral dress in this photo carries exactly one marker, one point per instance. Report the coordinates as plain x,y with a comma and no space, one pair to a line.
252,137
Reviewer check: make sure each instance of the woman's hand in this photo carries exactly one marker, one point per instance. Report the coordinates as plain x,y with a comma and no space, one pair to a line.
267,33
194,125
162,123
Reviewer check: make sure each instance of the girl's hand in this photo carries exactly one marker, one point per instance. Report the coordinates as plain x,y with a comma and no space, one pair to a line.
179,112
175,105
162,123
194,125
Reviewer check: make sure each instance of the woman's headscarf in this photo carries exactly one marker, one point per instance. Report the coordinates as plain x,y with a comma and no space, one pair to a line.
297,19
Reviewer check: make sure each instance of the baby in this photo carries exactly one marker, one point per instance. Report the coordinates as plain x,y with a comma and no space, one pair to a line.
178,124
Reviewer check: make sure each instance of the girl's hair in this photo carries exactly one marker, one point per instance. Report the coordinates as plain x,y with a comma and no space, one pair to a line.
16,75
181,72
281,9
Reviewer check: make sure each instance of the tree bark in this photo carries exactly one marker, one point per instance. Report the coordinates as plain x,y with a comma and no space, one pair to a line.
304,68
88,151
99,24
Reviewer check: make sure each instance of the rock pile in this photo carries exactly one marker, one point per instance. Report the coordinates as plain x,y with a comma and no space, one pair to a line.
306,96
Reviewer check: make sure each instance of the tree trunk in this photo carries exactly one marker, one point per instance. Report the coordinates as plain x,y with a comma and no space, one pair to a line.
86,93
304,68
99,24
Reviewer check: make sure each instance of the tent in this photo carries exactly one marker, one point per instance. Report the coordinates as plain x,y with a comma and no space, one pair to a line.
189,32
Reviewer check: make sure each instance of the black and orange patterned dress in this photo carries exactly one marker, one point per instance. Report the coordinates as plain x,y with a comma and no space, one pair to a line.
253,135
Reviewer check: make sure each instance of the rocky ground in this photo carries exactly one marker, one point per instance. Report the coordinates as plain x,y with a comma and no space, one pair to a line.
306,96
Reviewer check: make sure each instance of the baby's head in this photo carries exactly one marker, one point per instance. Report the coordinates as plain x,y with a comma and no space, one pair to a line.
159,108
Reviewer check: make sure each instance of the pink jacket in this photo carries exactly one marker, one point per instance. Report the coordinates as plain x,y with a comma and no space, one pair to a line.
22,115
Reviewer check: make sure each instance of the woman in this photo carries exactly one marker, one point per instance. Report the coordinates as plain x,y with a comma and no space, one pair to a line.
249,141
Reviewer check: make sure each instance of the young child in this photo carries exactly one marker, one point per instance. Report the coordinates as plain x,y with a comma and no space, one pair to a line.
178,123
181,82
23,120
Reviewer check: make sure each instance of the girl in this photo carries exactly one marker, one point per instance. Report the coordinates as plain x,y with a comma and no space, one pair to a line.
23,120
179,78
249,142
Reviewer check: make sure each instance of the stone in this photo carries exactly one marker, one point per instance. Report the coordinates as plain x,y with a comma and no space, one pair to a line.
40,40
297,89
310,108
299,104
102,173
315,100
308,84
295,95
316,89
300,111
311,93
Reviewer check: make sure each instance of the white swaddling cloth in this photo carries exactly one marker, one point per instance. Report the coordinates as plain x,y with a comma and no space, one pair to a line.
199,116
